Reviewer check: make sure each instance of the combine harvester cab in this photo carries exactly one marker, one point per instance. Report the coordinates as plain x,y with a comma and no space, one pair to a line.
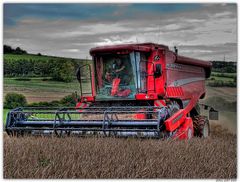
133,90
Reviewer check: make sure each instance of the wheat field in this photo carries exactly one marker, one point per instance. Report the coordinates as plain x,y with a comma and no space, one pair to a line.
99,157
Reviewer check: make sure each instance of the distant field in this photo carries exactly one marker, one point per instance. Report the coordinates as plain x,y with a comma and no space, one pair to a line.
223,76
40,85
37,90
30,56
228,74
227,93
223,99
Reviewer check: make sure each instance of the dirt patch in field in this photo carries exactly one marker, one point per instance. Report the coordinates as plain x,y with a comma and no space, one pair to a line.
33,96
223,99
92,157
228,93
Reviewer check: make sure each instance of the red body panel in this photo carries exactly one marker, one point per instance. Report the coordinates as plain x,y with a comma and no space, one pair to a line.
186,130
151,96
156,85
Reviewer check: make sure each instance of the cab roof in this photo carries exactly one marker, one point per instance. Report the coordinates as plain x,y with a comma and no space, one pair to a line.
144,47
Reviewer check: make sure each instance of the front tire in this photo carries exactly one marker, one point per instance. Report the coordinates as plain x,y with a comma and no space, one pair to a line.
201,126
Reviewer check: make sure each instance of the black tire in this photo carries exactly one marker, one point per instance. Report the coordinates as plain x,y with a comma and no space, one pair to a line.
201,126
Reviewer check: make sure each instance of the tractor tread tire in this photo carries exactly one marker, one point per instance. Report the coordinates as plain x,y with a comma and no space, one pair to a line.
200,123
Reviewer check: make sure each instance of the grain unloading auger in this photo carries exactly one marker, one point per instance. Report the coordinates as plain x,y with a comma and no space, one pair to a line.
132,89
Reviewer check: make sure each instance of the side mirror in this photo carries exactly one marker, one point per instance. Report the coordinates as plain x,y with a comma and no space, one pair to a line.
158,70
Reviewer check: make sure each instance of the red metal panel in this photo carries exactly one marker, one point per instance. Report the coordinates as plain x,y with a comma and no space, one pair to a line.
184,80
160,82
174,92
196,62
192,61
81,105
150,72
87,99
186,131
178,118
141,96
175,121
156,85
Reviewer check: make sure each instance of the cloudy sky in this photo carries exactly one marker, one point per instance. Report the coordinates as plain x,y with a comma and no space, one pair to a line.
204,31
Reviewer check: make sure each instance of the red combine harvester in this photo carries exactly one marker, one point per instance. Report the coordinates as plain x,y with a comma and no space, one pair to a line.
130,90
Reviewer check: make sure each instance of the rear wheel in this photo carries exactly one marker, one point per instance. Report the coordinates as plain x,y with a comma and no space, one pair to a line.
201,126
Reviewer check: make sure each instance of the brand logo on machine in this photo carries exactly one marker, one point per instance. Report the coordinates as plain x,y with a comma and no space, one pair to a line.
156,58
186,81
174,66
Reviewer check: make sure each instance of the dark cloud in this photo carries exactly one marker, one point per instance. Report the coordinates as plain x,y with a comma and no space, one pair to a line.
212,52
202,30
79,11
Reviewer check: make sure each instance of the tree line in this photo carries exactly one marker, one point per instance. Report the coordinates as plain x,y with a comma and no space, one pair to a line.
58,69
9,50
224,67
28,65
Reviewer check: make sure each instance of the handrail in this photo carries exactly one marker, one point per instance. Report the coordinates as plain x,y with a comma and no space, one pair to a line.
79,78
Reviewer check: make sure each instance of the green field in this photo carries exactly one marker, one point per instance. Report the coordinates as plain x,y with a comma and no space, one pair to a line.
223,76
33,57
218,79
5,111
40,85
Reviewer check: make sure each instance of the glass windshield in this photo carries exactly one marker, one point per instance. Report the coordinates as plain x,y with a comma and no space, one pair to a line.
116,76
